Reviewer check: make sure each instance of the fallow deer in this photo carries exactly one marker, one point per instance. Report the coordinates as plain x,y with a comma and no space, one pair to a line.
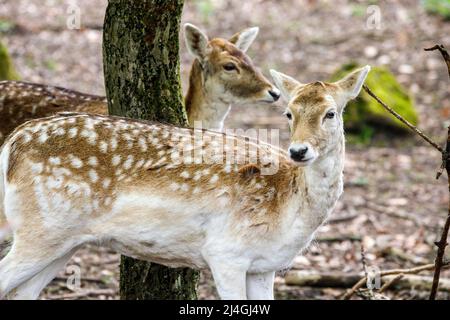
22,101
174,196
221,74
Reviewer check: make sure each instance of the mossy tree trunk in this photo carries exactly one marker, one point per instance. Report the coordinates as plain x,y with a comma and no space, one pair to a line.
141,65
7,70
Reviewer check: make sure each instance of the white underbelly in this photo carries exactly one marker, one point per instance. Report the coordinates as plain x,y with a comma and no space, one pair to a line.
154,230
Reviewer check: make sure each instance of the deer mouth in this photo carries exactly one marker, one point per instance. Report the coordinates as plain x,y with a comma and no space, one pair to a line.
303,162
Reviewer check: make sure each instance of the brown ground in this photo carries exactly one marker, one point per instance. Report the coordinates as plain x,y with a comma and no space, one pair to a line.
307,39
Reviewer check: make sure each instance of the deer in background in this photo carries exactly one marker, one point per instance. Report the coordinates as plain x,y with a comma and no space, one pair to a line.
73,179
221,74
23,101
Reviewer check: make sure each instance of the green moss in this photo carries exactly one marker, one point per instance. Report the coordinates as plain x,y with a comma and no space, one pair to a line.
365,116
439,7
7,71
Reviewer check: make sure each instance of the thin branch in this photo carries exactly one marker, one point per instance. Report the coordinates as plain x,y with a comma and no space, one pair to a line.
442,243
444,54
388,284
406,122
415,270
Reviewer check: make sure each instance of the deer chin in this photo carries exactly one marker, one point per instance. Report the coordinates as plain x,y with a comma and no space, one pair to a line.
304,162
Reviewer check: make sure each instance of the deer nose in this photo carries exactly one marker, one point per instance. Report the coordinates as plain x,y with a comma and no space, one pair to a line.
275,93
298,153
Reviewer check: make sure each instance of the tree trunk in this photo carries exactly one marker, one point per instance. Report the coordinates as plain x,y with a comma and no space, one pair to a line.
142,76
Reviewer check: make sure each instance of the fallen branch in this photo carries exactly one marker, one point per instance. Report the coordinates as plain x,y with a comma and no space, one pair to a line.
322,280
85,293
398,253
346,218
415,270
416,282
350,237
86,279
398,281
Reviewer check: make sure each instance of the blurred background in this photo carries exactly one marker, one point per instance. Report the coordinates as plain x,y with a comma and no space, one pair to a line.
392,203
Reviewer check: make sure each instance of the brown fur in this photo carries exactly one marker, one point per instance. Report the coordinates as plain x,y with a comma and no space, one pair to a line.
22,101
248,82
255,193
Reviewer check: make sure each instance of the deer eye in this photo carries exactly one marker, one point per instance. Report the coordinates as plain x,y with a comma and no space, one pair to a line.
330,115
229,67
288,115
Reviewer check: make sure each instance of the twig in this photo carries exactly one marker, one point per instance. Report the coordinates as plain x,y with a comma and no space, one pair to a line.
388,284
415,270
442,243
406,122
444,54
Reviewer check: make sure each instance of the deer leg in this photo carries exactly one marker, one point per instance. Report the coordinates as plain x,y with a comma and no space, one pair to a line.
229,280
260,286
31,289
23,262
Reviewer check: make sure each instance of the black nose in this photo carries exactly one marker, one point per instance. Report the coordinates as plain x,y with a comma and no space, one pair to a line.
298,154
275,95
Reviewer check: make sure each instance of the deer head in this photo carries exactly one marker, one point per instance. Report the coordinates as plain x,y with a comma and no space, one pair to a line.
228,74
315,112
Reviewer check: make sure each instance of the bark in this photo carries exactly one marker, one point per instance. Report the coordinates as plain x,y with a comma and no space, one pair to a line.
141,59
142,79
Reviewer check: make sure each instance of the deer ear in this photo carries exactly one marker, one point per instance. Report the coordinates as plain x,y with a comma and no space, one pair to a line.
286,84
196,41
244,39
351,85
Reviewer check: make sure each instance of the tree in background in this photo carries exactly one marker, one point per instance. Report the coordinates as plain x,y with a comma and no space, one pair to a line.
142,79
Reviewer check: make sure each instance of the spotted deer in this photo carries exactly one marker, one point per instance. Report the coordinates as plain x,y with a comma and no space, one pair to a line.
221,74
175,196
22,101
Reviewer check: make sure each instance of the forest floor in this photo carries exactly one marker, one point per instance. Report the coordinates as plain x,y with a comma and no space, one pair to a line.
391,198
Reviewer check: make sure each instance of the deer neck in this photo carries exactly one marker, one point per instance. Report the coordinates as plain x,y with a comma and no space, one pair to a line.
319,187
201,105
